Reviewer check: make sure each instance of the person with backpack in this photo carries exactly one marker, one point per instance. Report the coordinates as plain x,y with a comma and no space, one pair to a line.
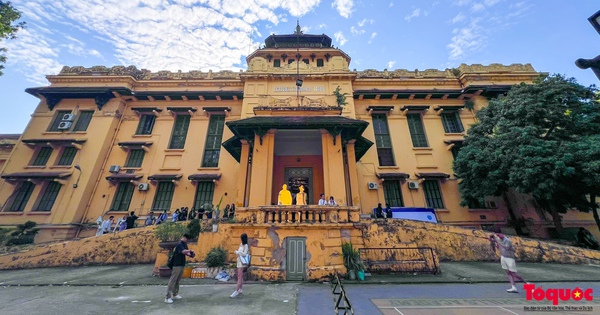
176,263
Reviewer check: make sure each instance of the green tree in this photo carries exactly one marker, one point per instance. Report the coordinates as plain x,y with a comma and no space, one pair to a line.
8,27
340,98
540,139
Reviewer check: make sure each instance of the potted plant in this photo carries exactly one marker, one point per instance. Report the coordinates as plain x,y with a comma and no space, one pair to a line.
351,260
169,234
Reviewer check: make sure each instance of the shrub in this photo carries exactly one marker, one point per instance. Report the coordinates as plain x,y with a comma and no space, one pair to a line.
351,257
216,257
194,229
170,231
24,234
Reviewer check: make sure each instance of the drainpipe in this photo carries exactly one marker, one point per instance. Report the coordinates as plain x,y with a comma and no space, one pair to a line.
112,143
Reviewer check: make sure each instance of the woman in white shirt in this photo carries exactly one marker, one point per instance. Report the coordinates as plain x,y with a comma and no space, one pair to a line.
241,252
331,201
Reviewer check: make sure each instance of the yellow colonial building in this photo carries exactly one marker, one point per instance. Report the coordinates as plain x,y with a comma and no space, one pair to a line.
107,141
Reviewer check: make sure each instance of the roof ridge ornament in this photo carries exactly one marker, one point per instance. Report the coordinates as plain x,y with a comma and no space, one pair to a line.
298,28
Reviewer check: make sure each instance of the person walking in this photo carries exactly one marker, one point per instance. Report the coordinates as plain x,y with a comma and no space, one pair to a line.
107,224
242,251
176,263
507,260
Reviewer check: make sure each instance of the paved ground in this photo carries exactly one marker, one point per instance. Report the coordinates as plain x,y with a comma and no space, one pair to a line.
462,288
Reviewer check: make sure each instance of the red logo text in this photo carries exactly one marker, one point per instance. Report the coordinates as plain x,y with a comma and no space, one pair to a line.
554,295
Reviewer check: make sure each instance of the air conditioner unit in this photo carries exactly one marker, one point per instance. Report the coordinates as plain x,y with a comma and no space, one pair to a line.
491,205
64,125
413,185
373,185
143,186
68,117
114,168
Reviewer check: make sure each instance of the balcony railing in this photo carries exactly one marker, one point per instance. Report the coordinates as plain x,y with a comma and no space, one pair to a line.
298,214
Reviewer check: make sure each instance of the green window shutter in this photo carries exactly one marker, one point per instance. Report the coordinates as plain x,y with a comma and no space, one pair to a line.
68,155
43,156
57,120
204,194
452,123
393,193
214,136
433,194
146,124
83,121
122,197
49,197
22,196
179,134
164,196
136,158
383,140
417,132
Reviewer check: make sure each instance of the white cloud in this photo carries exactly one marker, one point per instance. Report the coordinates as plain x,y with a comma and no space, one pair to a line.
477,7
344,7
33,56
391,64
391,4
466,40
153,34
339,37
415,13
372,36
356,31
461,2
459,18
490,3
365,21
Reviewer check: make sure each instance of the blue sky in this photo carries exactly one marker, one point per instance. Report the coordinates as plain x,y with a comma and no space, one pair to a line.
218,34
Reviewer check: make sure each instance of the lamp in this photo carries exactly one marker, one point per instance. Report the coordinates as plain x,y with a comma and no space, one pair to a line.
594,63
298,82
77,167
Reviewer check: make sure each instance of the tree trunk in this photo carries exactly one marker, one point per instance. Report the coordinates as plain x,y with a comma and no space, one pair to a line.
595,209
511,212
556,218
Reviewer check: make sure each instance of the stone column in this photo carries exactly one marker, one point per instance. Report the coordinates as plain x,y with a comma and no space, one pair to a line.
262,170
333,167
353,174
243,175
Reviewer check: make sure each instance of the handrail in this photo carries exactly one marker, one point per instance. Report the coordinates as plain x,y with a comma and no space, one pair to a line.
425,262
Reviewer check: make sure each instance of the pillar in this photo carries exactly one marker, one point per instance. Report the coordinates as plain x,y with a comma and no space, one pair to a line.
242,189
333,167
353,174
261,181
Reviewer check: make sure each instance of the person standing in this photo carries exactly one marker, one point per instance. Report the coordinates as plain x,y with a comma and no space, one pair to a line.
242,251
119,226
322,200
388,212
178,262
107,224
162,217
507,260
379,211
131,220
150,219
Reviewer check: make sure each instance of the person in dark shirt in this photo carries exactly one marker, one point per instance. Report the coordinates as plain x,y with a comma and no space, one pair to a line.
177,263
379,211
388,212
131,220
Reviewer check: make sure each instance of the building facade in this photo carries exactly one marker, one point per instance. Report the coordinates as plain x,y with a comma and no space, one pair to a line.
108,141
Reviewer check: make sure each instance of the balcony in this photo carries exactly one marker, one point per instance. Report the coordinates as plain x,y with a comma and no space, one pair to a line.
296,215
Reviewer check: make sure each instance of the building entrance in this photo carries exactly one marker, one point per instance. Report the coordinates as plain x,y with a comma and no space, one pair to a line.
299,176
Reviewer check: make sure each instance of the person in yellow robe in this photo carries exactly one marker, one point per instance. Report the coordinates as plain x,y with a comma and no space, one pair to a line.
285,196
301,197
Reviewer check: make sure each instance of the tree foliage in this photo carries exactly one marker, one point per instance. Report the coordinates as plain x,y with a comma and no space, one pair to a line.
8,27
540,139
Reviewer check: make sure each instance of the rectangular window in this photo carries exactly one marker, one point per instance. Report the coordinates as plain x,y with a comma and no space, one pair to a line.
383,140
433,195
57,120
49,197
123,197
290,61
204,194
451,122
180,129
146,124
164,196
22,196
42,157
417,132
393,193
320,63
135,159
68,155
277,63
212,149
83,120
455,149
